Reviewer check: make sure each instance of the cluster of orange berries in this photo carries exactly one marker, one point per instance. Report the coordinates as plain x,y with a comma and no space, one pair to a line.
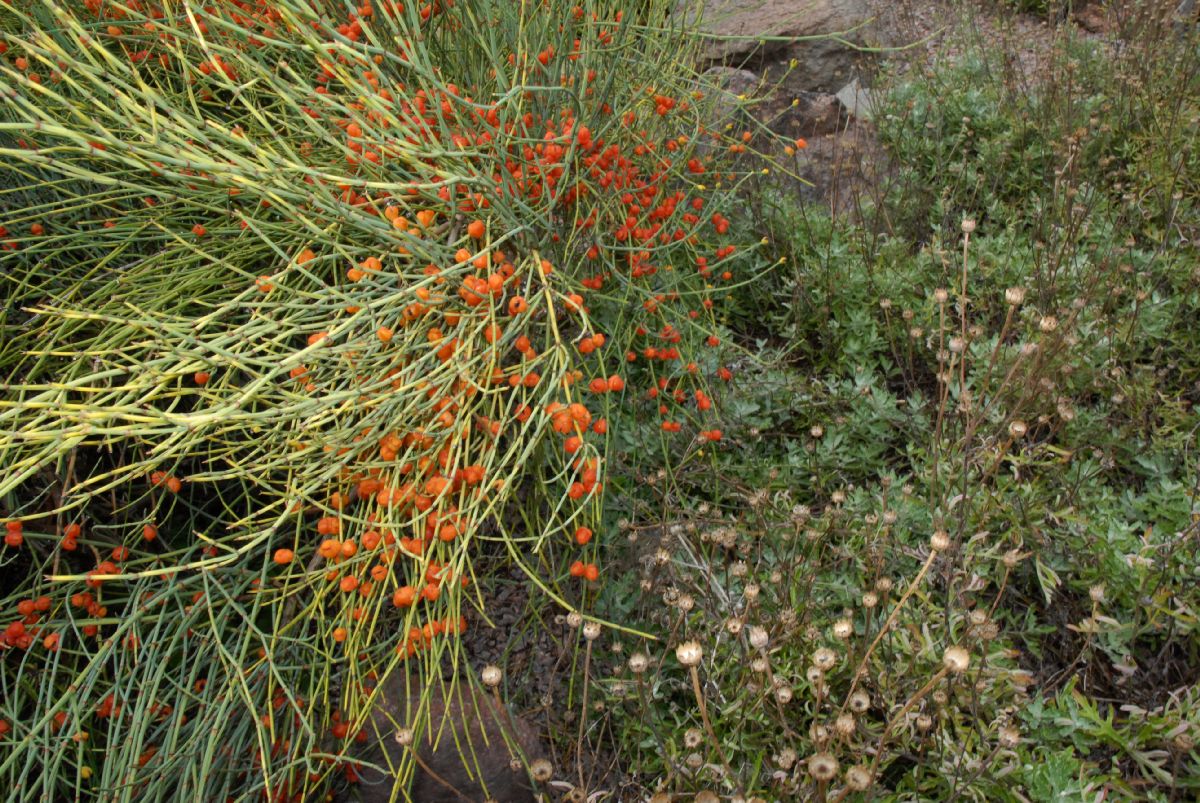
165,480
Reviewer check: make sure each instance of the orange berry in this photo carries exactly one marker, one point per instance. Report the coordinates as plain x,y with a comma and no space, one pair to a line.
283,556
476,229
348,583
149,532
583,535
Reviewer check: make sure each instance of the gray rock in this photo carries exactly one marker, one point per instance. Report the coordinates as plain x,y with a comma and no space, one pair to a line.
857,99
810,61
481,744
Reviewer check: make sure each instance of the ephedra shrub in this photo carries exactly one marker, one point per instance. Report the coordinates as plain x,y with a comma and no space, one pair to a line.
314,313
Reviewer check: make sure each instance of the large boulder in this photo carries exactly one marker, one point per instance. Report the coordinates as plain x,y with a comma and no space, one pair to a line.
742,33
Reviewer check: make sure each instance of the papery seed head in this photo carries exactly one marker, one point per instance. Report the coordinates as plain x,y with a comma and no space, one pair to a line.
956,659
858,779
822,767
690,653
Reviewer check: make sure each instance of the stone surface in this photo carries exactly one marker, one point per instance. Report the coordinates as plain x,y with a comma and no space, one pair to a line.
469,721
804,60
857,100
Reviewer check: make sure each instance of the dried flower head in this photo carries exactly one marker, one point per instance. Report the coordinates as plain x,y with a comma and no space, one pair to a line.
690,653
824,659
858,779
956,659
822,767
939,541
491,676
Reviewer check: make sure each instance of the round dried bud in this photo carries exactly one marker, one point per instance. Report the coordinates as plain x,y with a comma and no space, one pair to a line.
692,738
541,770
706,797
694,761
818,733
1018,428
734,625
890,516
784,695
815,675
685,602
1014,295
758,637
816,431
837,497
1096,592
739,569
759,665
661,797
822,767
844,725
591,631
751,591
1011,559
1028,349
940,541
786,758
404,737
1048,324
870,599
843,629
968,225
638,662
491,676
957,344
824,659
574,619
690,653
885,303
858,779
1184,742
977,617
859,702
939,698
924,723
940,295
956,659
883,585
662,557
1009,736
